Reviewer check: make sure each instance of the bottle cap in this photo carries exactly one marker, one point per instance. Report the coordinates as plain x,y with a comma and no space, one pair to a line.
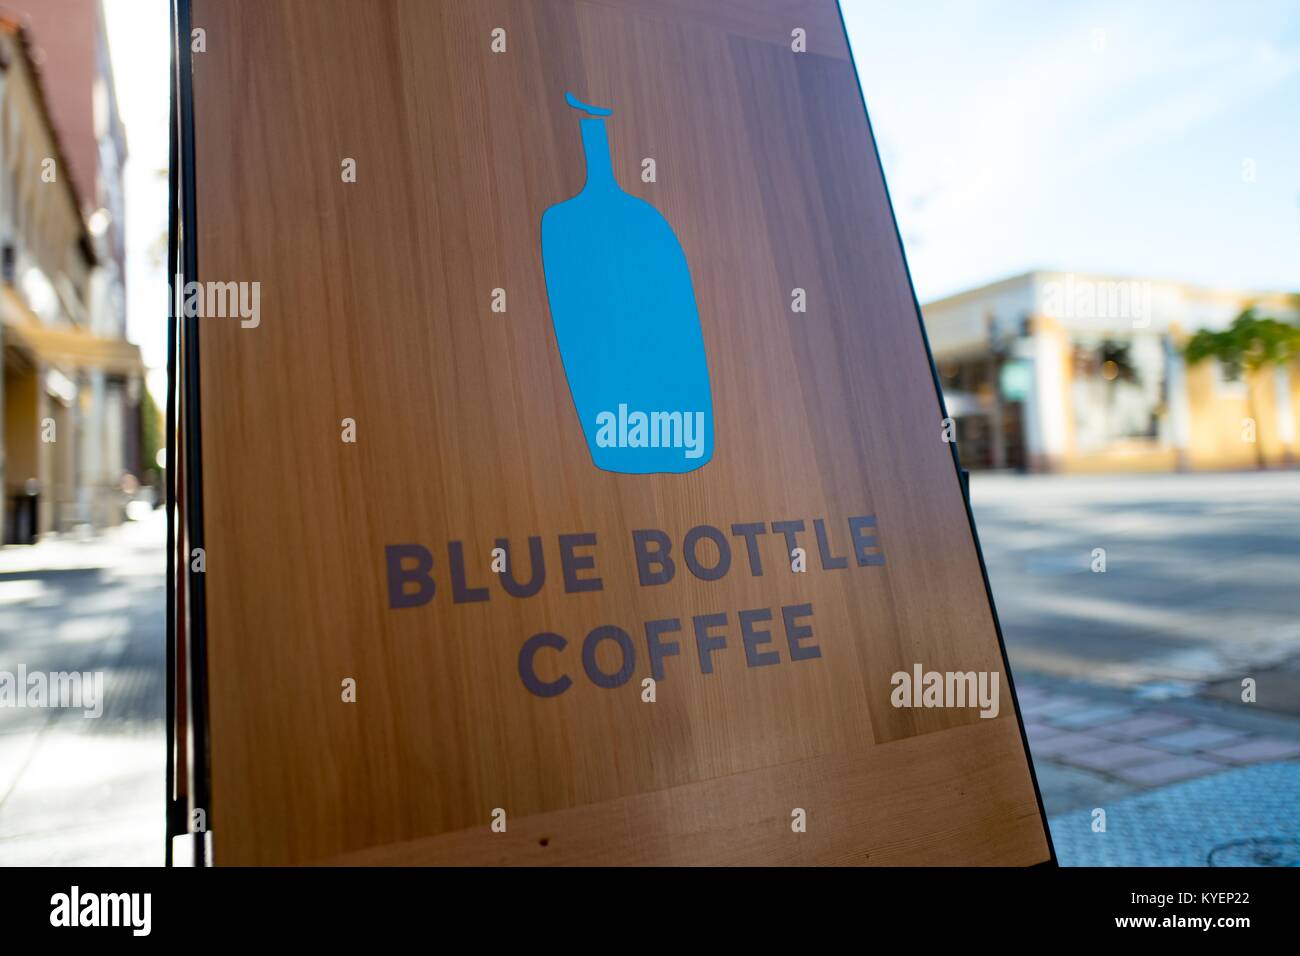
577,104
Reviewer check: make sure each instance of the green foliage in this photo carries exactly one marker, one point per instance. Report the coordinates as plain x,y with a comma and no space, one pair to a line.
1252,342
151,436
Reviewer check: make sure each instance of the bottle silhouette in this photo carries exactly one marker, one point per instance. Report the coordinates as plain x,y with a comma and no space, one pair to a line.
626,322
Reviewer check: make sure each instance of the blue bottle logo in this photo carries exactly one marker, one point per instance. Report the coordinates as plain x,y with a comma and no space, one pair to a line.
626,322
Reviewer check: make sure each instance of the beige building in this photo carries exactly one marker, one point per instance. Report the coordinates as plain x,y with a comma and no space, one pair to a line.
1055,371
69,406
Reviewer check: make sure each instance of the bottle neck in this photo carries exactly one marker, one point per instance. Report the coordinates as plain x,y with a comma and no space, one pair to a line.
600,166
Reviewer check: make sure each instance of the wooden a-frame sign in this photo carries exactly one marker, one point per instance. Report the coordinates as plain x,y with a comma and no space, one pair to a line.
563,444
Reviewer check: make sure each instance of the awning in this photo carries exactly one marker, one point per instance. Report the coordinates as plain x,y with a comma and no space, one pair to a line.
70,348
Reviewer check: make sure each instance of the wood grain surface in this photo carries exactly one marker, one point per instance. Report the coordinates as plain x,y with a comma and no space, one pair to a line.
376,306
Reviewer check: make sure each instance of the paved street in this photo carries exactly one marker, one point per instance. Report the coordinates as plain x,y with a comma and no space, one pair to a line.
1201,580
76,789
1129,680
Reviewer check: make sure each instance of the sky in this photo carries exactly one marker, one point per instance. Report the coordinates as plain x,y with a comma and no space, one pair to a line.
138,47
1158,139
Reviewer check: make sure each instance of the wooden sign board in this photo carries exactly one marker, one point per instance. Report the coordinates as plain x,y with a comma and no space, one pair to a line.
576,491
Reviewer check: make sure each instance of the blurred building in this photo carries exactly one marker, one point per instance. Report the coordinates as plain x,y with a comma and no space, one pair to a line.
1053,371
71,382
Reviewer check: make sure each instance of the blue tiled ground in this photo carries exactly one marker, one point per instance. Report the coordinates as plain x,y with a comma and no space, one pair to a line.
1240,817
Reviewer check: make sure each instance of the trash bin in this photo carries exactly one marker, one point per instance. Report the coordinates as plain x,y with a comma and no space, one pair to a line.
23,510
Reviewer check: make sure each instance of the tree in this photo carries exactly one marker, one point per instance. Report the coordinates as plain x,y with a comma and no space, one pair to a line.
1253,342
151,440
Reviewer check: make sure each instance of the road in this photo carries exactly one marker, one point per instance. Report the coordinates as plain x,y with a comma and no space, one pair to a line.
1201,583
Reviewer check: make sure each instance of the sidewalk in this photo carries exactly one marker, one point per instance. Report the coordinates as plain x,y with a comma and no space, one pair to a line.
1183,782
74,789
